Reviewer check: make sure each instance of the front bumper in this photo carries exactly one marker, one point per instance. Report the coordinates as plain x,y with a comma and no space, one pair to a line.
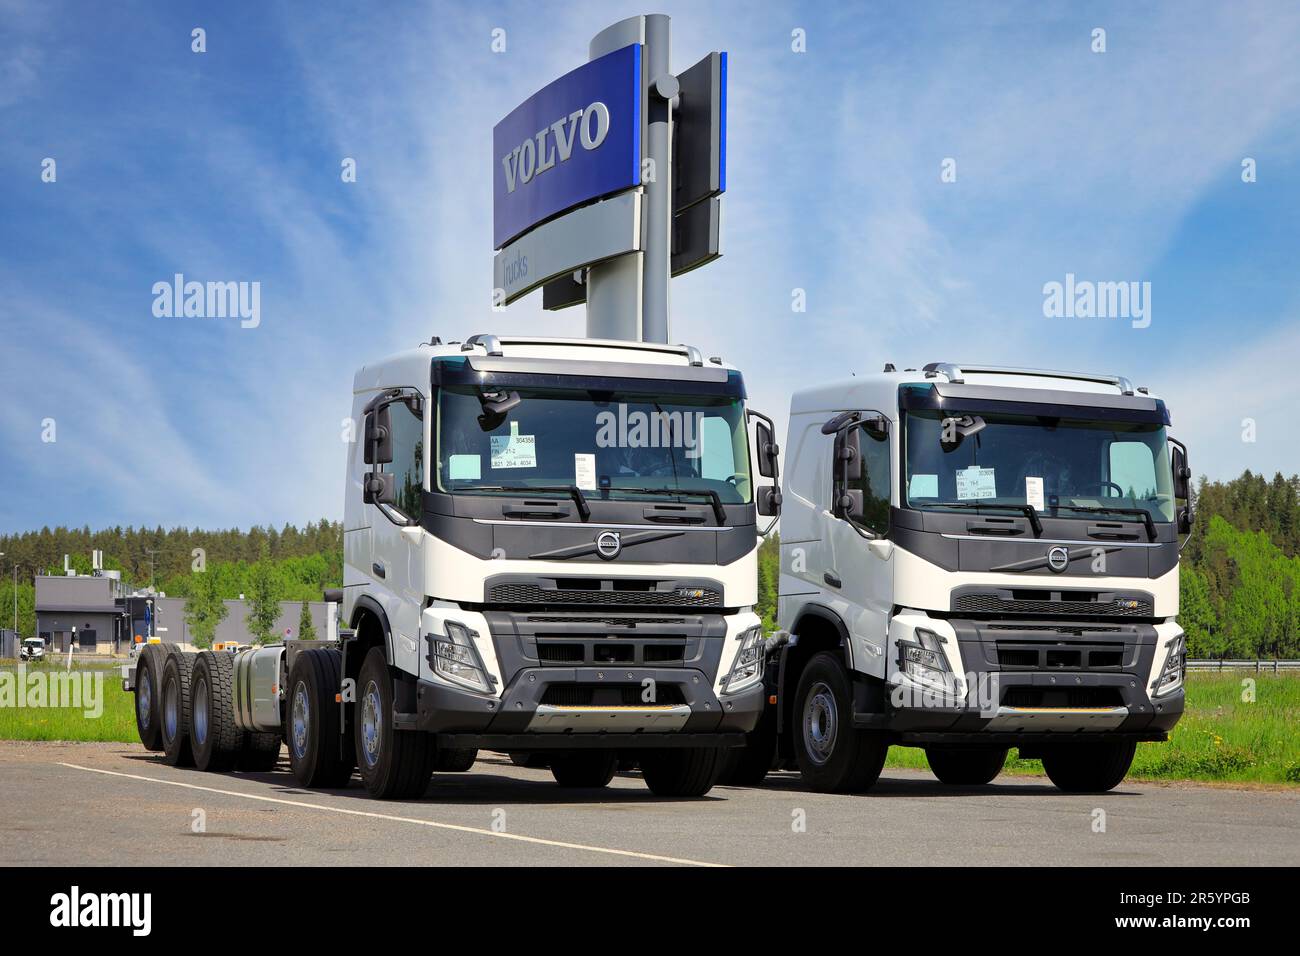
684,705
1020,683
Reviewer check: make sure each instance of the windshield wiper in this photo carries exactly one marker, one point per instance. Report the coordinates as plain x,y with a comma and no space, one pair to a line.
1145,515
573,491
709,493
1027,510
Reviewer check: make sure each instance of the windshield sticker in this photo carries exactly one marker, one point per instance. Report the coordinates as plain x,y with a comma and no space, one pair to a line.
1034,493
923,486
584,472
514,450
465,467
975,482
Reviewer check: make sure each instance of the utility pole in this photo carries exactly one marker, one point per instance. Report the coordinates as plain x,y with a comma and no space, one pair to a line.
151,552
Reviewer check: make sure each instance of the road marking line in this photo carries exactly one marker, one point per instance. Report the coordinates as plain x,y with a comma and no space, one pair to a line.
396,819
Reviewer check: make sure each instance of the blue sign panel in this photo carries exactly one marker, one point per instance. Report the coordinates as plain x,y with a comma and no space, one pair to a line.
570,142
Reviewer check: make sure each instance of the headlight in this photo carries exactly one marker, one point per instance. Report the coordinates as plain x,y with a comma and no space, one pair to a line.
747,669
456,658
1175,669
925,662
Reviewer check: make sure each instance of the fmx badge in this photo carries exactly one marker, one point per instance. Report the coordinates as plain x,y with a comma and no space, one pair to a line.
575,140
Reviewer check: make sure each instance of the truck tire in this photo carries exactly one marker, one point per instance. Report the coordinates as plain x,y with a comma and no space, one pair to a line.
174,709
148,670
454,760
394,764
215,737
747,766
1089,768
584,768
319,755
259,754
966,767
833,757
682,771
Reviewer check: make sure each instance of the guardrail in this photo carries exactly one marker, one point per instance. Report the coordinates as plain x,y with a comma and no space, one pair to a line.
1259,667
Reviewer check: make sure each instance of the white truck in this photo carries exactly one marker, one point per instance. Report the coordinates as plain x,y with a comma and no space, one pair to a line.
550,550
975,558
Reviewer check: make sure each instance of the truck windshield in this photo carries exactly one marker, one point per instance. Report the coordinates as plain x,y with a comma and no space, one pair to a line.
1062,467
625,444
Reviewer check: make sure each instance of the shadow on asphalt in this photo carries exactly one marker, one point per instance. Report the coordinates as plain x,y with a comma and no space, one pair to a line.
480,786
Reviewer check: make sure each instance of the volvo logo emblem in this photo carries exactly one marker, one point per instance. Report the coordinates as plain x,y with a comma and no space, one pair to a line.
1058,559
608,545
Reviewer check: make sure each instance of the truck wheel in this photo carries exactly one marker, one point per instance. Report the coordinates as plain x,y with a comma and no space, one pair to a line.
1089,768
174,709
454,760
747,766
311,721
148,669
833,757
259,754
683,771
584,768
394,764
966,768
533,761
215,737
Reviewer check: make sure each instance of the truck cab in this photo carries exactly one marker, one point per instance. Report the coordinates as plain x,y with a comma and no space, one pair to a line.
975,558
550,549
32,649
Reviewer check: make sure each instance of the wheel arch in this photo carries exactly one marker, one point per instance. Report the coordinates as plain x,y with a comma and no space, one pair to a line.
816,629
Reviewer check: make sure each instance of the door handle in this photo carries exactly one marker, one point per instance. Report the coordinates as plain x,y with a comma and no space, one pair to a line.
831,578
379,569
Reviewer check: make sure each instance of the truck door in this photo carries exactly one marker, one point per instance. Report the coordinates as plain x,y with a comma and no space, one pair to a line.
395,562
860,555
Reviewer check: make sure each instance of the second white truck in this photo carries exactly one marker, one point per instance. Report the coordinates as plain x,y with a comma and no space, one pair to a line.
975,558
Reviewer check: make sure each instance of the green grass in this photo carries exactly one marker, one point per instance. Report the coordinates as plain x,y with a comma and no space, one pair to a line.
1221,737
116,722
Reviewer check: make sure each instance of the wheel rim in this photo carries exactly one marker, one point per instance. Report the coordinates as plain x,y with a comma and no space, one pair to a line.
144,700
820,723
301,714
372,724
200,715
170,716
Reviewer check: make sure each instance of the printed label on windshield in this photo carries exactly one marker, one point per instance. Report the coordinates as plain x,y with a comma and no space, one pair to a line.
584,471
464,467
1034,492
975,482
514,450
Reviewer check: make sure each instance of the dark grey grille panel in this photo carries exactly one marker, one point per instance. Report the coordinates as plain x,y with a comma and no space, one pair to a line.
610,695
529,593
1002,603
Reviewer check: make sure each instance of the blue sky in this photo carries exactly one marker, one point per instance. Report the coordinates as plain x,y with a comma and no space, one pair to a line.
1115,166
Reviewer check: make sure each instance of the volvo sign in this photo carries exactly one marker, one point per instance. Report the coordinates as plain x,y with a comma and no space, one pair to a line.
571,142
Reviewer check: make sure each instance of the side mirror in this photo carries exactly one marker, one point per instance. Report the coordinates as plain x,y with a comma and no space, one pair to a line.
379,488
768,450
1182,472
851,505
768,501
850,454
379,437
1186,518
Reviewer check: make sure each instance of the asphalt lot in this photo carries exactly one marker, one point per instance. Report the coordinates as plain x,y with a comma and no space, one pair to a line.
106,804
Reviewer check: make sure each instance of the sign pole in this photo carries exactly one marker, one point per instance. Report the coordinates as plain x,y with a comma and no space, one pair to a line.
627,297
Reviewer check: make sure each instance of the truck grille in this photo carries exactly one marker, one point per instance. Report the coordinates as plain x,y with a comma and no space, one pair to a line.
561,651
531,593
1063,697
1053,603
